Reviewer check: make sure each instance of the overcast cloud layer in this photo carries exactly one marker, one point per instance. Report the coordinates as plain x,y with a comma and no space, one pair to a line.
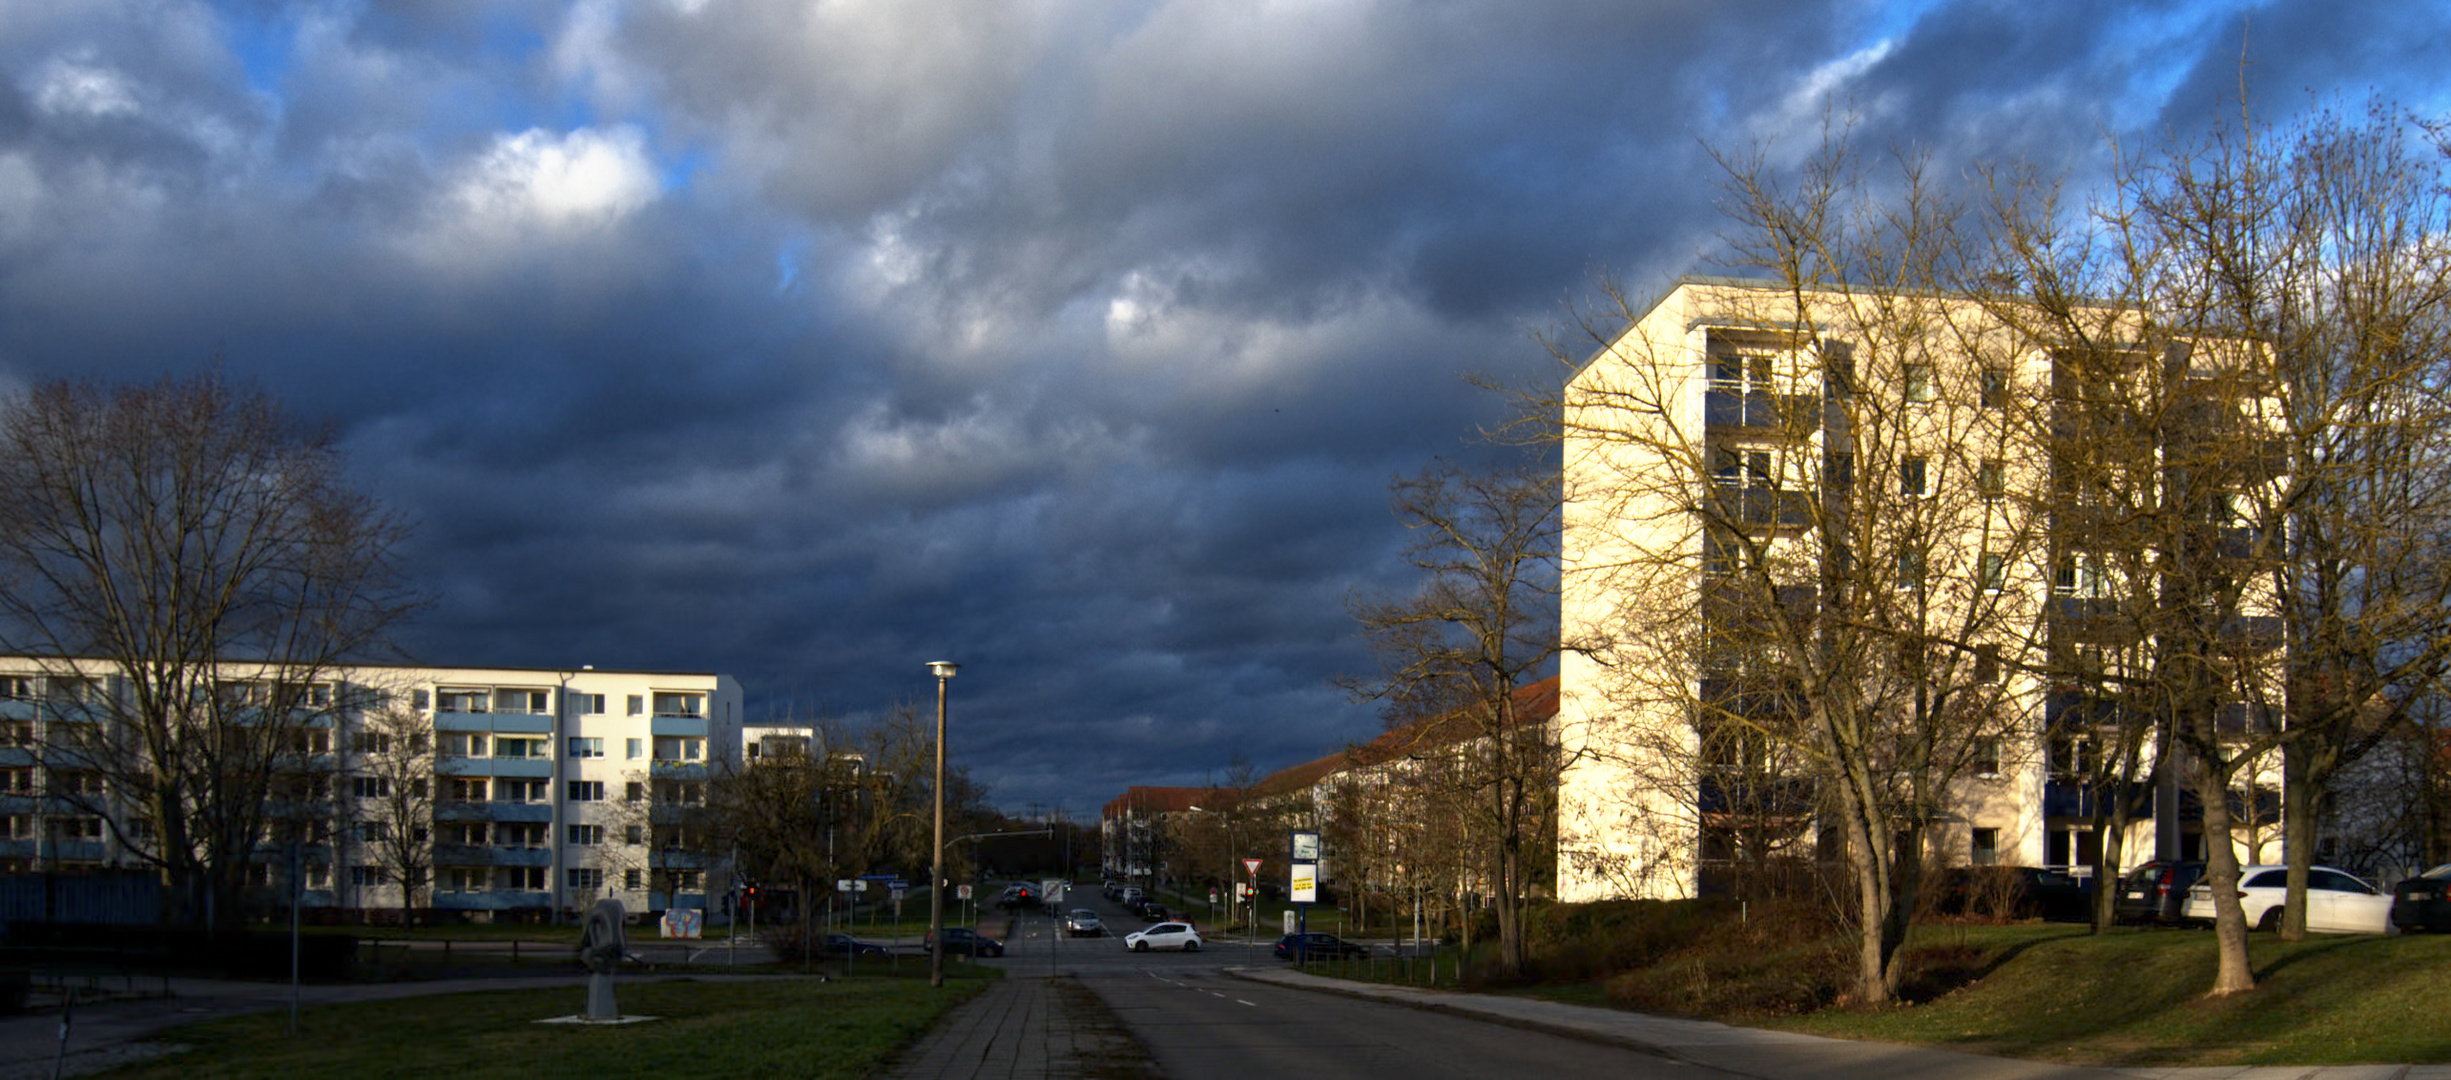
1073,340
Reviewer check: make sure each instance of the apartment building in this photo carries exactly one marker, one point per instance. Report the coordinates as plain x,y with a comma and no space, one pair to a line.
525,791
1776,498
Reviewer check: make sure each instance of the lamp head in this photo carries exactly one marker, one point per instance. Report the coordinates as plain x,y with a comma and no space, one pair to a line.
943,669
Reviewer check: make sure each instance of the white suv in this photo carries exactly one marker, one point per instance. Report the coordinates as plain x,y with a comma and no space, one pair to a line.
2336,902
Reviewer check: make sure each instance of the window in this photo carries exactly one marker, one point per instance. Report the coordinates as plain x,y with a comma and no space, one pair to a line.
310,741
462,878
457,744
587,791
369,742
630,879
463,701
633,792
638,705
1986,848
515,790
467,789
1994,386
683,880
17,687
1910,569
2080,575
680,792
523,746
370,787
677,704
1994,573
420,699
585,877
671,748
1732,372
522,701
17,780
471,833
1986,664
587,835
586,747
633,834
519,834
363,876
634,748
523,878
1991,478
1838,369
1838,470
1917,380
588,704
17,733
1986,756
19,826
1911,476
66,782
81,827
318,876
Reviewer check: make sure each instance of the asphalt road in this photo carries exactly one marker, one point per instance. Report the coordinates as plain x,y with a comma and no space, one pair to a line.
1199,1023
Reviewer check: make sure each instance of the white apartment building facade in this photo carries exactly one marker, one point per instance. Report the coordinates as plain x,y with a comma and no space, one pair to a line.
1737,427
545,784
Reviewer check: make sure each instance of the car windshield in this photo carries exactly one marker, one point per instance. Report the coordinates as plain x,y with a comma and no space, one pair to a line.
2439,873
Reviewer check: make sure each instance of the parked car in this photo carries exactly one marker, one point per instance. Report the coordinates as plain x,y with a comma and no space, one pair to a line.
1130,897
1083,923
1317,946
1165,935
964,941
2009,892
2423,902
2336,902
1155,912
846,945
2155,892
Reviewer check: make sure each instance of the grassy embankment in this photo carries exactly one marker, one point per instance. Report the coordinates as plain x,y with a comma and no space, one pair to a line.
841,1030
2034,990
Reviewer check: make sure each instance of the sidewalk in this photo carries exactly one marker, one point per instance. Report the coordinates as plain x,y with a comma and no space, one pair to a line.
1756,1052
1023,1028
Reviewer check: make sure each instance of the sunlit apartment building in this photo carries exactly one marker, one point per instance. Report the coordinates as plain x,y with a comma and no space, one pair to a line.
535,790
1899,448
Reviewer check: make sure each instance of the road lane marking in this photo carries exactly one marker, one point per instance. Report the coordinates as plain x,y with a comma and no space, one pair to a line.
1250,1003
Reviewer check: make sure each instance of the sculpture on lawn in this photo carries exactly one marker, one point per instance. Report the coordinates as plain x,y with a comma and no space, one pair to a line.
601,947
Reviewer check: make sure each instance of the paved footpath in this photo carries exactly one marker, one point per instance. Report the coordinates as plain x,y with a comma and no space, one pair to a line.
1024,1029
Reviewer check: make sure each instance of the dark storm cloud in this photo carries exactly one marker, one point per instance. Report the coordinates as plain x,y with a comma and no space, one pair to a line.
1073,340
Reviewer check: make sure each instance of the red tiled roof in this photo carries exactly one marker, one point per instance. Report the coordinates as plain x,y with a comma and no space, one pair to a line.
1534,704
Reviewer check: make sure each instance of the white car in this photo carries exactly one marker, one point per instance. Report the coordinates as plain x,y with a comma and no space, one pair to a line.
2336,902
1165,935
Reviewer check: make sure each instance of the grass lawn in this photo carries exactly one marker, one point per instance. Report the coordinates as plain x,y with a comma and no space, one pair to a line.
2137,997
843,1029
2054,992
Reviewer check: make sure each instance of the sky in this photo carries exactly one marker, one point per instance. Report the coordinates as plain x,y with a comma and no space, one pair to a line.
1075,341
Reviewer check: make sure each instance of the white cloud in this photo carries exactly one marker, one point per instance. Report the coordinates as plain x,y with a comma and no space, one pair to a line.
584,177
81,87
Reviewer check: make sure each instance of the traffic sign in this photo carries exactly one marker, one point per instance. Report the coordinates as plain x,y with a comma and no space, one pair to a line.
1251,867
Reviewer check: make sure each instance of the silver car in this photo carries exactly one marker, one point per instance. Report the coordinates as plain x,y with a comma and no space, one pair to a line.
1082,922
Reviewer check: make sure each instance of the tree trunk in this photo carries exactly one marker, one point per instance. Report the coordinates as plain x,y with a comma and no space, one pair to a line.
2297,834
2236,974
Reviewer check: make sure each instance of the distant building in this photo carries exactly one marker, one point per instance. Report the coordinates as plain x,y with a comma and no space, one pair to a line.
547,785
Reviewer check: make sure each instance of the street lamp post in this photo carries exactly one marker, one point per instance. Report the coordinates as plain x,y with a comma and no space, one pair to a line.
943,670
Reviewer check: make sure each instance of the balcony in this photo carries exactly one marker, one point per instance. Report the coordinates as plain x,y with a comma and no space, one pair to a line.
1762,411
1764,507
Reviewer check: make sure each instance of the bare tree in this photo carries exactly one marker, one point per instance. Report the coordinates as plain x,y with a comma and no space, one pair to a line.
1810,601
1481,627
390,797
199,568
2267,318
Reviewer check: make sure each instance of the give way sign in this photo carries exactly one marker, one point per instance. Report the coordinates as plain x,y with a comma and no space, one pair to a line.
1251,867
